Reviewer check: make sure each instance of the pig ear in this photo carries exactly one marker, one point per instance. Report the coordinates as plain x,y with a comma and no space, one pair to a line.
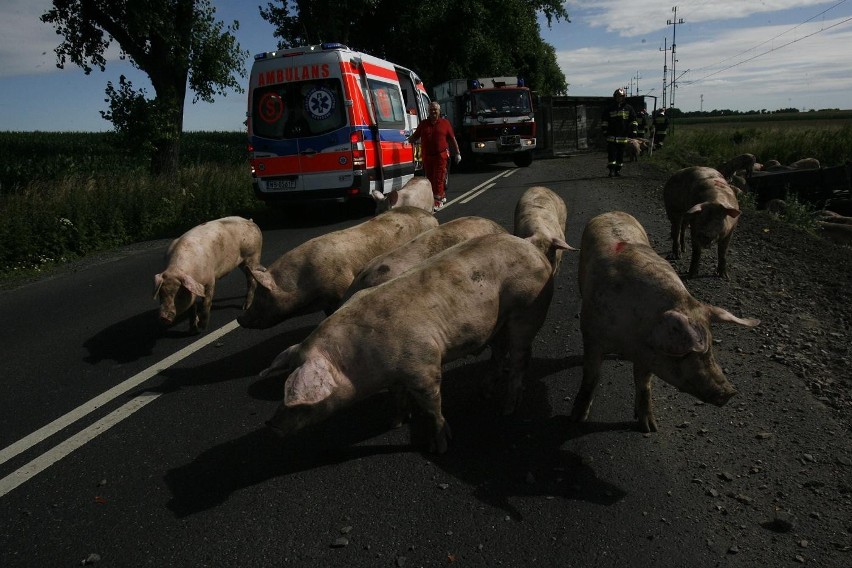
264,278
718,314
309,384
696,208
675,335
192,285
158,281
560,244
283,364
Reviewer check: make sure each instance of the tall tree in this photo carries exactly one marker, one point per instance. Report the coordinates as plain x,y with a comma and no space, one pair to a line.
175,42
441,40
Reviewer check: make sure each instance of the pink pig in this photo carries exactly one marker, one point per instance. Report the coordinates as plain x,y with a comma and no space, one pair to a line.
199,257
635,305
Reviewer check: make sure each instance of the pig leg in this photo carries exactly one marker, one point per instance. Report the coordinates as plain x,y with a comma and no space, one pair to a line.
722,266
401,406
677,237
428,398
193,316
499,345
206,306
644,412
592,360
696,259
251,286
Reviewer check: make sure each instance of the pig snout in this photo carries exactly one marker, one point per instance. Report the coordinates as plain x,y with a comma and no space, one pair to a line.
167,317
720,395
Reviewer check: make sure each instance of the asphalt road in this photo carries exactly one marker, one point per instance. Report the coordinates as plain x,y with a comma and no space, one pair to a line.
124,446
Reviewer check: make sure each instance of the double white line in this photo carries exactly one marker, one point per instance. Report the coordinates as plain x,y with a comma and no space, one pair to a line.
479,189
50,457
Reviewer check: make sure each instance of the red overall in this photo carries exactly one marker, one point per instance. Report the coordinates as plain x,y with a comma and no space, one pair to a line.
435,140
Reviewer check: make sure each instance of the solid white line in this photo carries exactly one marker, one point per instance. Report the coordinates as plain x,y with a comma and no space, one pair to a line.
480,192
44,461
45,432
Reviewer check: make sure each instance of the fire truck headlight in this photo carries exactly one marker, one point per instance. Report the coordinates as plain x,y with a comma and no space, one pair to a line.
479,145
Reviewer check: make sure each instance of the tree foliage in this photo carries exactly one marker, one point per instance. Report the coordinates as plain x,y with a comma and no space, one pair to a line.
441,40
175,42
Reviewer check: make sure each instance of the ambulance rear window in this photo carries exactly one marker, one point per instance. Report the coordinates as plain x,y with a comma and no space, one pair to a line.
298,109
390,111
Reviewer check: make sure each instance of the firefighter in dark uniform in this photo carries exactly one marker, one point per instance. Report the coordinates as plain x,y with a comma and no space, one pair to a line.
618,124
661,125
642,121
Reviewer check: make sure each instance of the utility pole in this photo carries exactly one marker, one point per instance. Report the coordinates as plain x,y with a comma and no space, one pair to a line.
702,102
673,23
664,49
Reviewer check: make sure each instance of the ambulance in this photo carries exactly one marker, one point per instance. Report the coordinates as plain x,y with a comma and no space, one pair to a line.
328,123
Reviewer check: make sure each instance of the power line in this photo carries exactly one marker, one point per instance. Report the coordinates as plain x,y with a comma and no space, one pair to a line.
774,37
674,23
771,50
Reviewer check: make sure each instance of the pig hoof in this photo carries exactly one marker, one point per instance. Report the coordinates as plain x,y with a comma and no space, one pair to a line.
441,442
648,424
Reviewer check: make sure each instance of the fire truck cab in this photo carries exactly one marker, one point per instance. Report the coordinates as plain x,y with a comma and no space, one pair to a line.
492,117
326,122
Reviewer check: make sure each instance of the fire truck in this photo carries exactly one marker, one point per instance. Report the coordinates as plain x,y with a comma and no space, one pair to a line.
492,117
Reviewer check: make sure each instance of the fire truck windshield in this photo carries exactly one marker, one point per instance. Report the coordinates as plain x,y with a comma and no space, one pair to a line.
502,102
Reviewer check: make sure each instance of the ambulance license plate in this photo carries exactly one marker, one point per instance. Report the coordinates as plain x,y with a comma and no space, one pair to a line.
281,184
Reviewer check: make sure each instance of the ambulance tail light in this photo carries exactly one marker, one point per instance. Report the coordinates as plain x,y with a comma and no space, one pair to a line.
359,160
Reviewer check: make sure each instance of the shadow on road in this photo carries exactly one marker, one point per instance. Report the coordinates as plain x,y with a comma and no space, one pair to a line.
501,457
248,362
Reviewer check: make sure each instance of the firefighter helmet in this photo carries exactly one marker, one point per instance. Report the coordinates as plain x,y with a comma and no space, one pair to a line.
619,93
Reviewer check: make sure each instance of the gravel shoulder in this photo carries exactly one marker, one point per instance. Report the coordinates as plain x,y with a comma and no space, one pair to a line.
796,283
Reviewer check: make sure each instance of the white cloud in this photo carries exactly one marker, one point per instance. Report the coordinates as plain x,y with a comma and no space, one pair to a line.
762,66
28,44
635,18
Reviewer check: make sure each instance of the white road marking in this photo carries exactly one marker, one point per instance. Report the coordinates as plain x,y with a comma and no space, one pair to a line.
45,432
50,457
478,193
63,449
477,188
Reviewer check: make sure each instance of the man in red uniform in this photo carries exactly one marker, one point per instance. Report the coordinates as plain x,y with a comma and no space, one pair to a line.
436,138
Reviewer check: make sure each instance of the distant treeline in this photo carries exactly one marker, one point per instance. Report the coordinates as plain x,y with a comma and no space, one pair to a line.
675,112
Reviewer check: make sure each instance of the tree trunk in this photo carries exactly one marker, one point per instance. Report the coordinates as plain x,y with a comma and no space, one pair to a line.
166,158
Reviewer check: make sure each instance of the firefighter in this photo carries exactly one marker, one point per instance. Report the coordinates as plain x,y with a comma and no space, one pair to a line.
619,124
661,125
642,121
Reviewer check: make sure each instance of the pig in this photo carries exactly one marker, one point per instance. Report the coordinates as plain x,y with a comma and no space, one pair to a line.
314,276
634,305
398,335
806,164
701,198
632,150
840,233
540,216
199,257
742,162
417,192
425,245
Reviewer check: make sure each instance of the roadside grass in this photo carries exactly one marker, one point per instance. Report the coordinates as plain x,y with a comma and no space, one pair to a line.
711,144
66,195
79,205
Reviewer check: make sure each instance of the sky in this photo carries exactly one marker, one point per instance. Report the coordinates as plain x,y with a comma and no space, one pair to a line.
729,54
